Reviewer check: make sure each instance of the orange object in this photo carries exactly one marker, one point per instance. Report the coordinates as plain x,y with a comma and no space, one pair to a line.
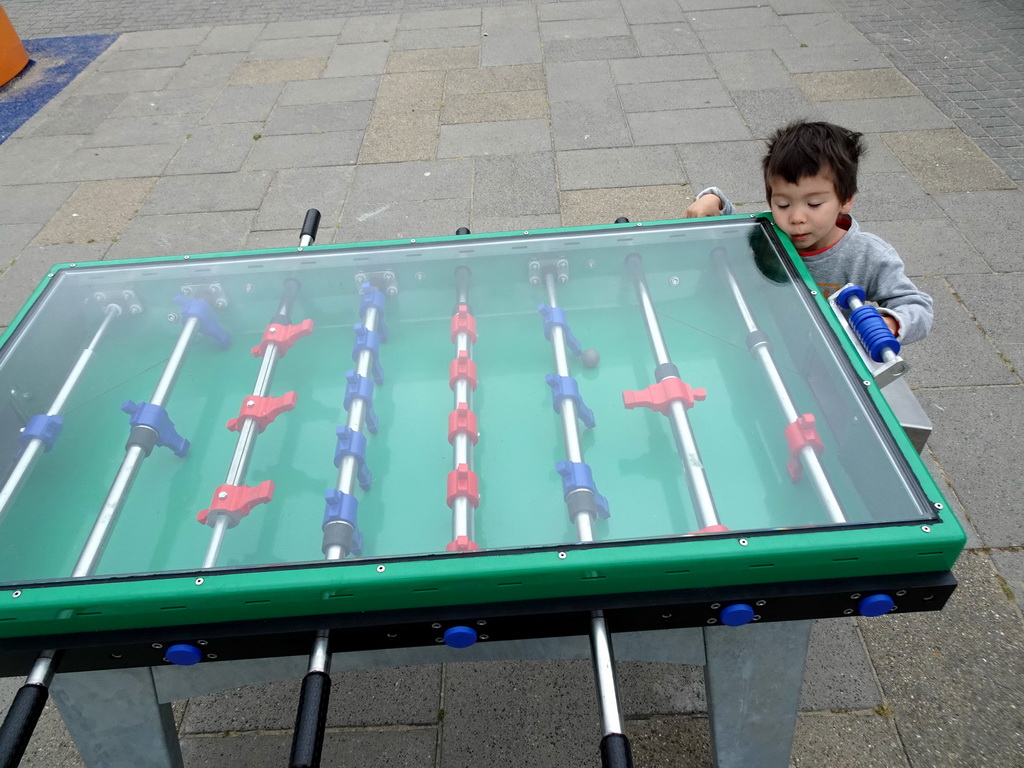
13,56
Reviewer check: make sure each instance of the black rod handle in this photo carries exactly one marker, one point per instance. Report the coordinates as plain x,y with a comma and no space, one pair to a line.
616,752
310,225
310,721
21,720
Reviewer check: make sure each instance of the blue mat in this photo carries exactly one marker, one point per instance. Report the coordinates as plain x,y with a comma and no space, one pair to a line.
53,63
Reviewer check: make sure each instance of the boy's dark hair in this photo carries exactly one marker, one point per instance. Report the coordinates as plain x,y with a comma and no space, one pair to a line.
806,149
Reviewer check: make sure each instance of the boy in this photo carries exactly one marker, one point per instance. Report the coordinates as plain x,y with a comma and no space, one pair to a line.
810,178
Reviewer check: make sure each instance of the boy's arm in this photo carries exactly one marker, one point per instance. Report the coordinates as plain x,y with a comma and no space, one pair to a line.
710,202
899,299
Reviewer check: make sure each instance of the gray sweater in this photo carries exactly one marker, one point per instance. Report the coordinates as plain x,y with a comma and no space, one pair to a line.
868,261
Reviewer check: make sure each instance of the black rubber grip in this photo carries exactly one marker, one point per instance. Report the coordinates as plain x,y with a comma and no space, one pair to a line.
615,751
338,534
310,721
21,720
756,339
581,502
462,231
311,224
622,220
666,371
143,437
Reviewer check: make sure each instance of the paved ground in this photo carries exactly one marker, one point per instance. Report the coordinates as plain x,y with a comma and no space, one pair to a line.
218,131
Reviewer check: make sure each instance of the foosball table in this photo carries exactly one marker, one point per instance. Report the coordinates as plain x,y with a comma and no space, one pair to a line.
660,437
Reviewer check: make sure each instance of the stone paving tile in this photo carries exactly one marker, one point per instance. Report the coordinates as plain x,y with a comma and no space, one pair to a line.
956,352
488,720
949,493
989,222
372,749
838,673
77,115
855,84
583,29
212,70
991,299
512,137
928,246
361,88
648,688
689,94
209,192
952,680
409,93
600,206
733,167
766,110
318,118
196,101
357,59
244,103
577,9
269,50
97,210
481,224
146,58
131,41
33,263
892,197
435,180
135,131
294,191
306,150
175,234
369,29
977,443
33,203
733,18
98,163
515,185
469,17
662,69
229,39
589,124
13,238
456,37
127,81
664,39
817,29
625,167
947,161
1010,567
434,59
279,71
747,39
516,18
579,81
494,107
687,126
651,11
590,49
399,138
832,58
525,77
751,70
906,113
302,29
848,740
510,48
671,742
402,219
216,149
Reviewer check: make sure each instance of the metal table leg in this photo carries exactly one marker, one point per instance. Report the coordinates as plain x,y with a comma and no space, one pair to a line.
753,678
116,720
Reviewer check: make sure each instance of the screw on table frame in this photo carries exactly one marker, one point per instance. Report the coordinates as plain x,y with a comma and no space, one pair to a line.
760,348
615,751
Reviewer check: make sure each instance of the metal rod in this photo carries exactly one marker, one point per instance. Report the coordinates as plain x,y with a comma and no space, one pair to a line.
249,430
764,356
34,447
134,454
600,639
693,465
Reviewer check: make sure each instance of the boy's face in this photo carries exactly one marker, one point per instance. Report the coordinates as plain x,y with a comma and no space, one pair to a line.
807,211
